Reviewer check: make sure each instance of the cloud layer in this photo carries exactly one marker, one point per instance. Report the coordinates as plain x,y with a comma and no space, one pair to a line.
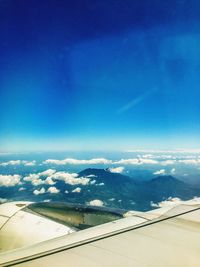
160,172
146,159
175,201
96,202
10,180
18,162
50,177
76,190
117,170
70,178
77,161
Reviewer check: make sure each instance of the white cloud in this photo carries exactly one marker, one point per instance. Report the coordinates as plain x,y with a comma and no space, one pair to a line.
22,189
31,177
128,161
30,163
34,179
100,184
175,201
70,178
11,162
168,157
76,190
148,156
66,192
47,172
116,170
190,161
157,156
39,192
53,190
154,205
168,162
46,200
10,180
175,151
173,171
37,182
54,161
96,202
49,181
160,172
18,162
137,161
77,161
93,182
148,161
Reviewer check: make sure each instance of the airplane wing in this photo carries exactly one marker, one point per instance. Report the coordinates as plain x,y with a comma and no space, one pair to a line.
163,237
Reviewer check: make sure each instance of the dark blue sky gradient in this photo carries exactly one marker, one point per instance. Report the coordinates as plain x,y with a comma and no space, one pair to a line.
99,74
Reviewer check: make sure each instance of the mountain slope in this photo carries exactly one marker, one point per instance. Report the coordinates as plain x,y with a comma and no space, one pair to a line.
137,195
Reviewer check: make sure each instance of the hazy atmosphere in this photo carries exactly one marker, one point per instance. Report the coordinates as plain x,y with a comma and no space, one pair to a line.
99,75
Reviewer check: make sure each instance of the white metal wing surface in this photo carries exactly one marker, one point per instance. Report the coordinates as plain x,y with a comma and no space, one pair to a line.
167,236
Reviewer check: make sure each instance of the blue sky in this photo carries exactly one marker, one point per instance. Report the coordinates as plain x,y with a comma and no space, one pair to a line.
99,75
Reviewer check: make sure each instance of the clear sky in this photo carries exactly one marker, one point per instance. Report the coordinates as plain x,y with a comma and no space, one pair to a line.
99,74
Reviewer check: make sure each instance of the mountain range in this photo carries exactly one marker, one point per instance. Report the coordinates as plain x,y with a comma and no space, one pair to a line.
127,193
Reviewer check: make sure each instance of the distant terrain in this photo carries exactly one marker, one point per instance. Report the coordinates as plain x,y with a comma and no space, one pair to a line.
138,195
112,189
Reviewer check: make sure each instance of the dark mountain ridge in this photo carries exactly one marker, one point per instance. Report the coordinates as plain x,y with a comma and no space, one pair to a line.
119,186
104,175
